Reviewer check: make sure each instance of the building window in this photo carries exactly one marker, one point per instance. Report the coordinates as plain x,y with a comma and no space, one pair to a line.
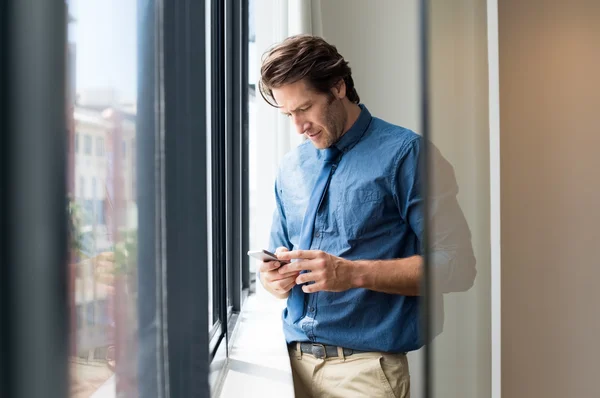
100,218
100,146
81,187
88,213
76,142
133,169
87,144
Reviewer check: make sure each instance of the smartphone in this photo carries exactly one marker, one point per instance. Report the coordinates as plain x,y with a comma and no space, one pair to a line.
265,255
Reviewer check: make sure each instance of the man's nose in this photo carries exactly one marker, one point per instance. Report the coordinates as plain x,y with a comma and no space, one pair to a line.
301,125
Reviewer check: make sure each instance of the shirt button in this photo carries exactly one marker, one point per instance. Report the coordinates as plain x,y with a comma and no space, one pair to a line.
317,234
311,309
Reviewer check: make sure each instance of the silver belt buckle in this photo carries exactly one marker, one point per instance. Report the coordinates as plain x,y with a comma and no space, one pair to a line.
319,351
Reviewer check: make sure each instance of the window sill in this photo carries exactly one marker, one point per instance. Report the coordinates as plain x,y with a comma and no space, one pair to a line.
258,363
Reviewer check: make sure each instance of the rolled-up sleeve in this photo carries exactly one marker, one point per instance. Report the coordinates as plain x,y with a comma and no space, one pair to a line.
451,258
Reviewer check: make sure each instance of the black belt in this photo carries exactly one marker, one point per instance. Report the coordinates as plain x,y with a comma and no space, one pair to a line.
323,350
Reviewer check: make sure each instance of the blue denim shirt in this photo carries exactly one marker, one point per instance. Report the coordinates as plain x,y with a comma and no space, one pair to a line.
373,210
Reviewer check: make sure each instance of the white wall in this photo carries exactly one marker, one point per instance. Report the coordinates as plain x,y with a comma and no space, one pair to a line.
381,41
460,129
549,107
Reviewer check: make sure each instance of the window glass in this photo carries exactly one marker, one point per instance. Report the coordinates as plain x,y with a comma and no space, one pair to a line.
88,144
102,70
100,146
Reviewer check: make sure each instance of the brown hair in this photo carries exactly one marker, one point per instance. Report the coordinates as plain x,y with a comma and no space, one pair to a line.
305,56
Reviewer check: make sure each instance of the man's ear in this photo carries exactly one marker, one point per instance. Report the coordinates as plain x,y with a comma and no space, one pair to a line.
339,89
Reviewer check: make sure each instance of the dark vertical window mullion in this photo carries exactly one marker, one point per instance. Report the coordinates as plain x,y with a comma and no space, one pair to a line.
218,156
222,264
214,52
244,205
230,199
4,275
152,366
239,103
33,262
4,141
185,187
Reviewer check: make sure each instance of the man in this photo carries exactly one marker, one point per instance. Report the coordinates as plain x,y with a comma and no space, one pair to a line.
348,230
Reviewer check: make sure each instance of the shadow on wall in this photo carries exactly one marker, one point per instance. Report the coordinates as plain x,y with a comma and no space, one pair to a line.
451,264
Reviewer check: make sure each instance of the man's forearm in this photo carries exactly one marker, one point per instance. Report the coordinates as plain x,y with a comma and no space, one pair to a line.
398,276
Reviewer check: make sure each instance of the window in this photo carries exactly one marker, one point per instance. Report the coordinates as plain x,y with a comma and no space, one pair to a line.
99,146
99,209
133,169
87,142
76,142
104,290
87,219
136,76
82,192
228,93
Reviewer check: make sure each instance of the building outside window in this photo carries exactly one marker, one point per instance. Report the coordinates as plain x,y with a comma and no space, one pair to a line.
99,146
87,143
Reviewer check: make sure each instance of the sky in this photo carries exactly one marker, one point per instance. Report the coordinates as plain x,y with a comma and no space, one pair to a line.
105,33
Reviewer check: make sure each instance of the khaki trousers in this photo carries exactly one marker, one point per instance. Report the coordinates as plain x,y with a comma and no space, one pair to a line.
372,375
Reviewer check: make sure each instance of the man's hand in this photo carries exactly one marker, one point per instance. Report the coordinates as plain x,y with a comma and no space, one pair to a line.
329,273
277,283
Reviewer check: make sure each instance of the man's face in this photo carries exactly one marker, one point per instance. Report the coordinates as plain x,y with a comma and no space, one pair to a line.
320,117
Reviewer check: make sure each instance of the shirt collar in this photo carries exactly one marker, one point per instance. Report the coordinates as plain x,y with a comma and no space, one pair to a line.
352,136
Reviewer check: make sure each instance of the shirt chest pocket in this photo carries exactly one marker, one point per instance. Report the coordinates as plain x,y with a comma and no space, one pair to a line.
359,213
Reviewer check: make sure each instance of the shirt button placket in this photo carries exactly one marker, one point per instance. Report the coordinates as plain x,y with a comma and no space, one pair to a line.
312,308
311,303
